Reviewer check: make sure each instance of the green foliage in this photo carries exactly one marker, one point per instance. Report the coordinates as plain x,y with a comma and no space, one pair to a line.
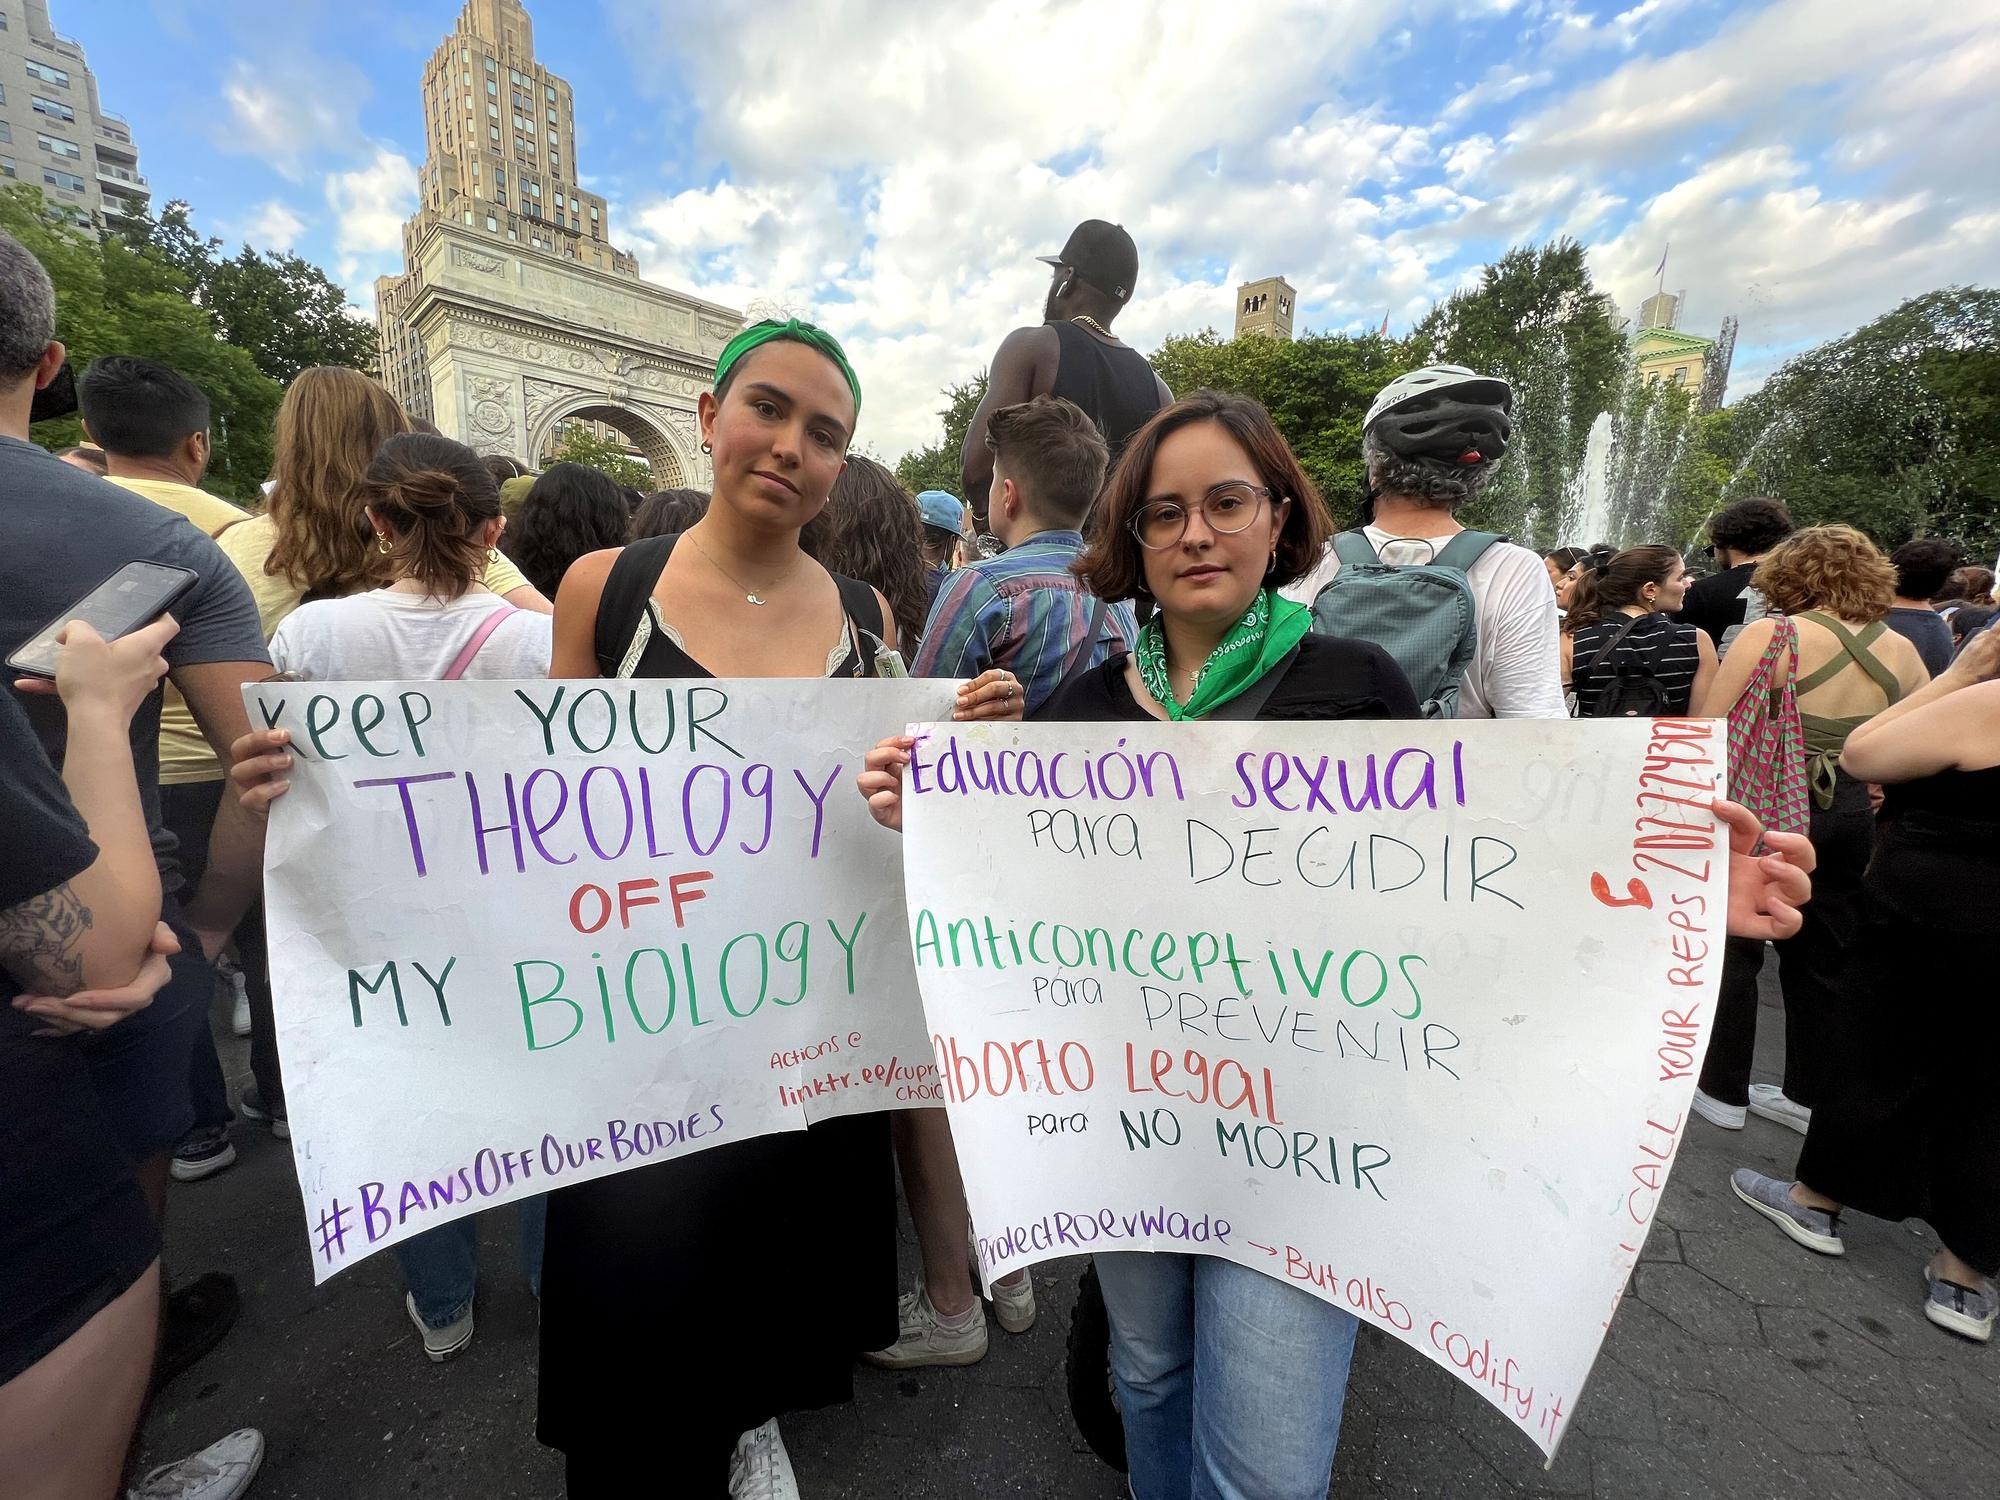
936,467
579,445
1894,428
1536,321
115,296
281,307
1316,387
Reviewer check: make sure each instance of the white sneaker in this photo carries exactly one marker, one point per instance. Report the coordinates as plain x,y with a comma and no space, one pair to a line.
760,1469
221,1471
441,1343
1722,1116
1768,1101
924,1338
239,1017
1013,1305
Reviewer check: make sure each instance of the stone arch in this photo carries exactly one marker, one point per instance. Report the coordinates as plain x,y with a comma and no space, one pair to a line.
672,469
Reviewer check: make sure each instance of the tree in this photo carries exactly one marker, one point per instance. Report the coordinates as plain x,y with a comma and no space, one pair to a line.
579,445
1536,321
281,307
115,297
937,466
1317,389
1894,428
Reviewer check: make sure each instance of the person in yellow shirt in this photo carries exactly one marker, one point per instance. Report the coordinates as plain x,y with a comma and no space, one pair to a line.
152,424
313,540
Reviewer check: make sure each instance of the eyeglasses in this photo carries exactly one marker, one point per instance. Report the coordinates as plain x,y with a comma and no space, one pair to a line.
1227,508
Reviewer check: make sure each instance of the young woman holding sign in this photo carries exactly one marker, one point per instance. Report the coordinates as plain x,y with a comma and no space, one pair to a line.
676,1258
1208,514
433,510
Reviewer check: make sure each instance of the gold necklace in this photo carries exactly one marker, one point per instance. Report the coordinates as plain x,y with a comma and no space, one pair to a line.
1094,326
750,594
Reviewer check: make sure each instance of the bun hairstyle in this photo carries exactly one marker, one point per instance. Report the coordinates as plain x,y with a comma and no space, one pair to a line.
432,497
1612,580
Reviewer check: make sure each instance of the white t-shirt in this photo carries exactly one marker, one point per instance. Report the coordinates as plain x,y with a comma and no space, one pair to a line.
1516,670
386,636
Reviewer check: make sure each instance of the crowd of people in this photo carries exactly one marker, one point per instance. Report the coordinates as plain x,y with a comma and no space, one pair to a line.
1117,554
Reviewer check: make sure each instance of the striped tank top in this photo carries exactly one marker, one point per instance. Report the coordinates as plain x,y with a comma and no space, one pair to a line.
1657,645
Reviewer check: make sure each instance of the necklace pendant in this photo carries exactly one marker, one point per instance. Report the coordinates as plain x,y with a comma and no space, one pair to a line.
754,600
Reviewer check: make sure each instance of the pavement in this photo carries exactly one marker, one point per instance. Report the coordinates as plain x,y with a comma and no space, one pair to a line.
1739,1367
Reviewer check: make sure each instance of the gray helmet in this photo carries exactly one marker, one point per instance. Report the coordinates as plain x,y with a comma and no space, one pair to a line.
1443,412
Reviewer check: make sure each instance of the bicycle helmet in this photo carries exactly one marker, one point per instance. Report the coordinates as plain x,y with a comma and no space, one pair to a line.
1443,412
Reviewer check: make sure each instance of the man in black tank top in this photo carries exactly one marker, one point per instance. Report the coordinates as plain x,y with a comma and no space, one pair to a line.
1073,354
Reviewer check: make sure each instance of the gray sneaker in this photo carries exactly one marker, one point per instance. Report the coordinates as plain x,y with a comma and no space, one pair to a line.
1963,1310
443,1343
1814,1228
924,1338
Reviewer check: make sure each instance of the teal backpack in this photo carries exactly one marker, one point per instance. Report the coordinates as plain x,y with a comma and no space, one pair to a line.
1422,614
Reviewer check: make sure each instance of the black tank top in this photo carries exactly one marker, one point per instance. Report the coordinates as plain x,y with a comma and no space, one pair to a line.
1113,384
1937,850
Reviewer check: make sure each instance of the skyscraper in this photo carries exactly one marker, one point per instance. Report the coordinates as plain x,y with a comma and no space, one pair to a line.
514,310
53,131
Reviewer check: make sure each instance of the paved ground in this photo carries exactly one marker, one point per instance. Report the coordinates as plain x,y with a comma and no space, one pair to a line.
1738,1368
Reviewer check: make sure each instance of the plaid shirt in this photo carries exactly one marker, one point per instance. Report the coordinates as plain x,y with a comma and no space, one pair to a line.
1023,610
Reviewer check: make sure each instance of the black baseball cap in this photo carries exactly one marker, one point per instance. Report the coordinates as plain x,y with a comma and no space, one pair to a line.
1103,255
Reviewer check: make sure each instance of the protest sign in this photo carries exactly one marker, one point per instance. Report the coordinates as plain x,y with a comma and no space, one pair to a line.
1406,1014
526,934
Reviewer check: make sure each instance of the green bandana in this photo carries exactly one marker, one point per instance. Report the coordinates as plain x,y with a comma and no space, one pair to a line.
1257,642
799,333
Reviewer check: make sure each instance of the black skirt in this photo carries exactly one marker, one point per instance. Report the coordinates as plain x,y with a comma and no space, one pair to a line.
685,1303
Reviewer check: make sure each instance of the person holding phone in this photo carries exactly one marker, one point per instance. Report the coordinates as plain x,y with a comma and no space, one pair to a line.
81,948
62,532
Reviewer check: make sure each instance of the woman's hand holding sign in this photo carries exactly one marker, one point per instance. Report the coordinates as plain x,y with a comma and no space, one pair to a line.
259,762
1765,890
882,782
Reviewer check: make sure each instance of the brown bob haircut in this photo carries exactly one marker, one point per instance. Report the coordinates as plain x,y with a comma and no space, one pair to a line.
1831,568
1113,564
1054,453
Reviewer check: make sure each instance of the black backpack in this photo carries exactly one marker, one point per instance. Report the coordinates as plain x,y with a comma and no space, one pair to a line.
1629,690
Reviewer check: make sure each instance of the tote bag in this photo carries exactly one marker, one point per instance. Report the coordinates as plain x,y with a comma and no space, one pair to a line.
1767,757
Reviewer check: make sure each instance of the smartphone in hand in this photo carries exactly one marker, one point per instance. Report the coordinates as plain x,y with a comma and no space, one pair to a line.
137,594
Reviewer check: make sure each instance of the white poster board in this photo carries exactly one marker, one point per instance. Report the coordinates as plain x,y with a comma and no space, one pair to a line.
1406,1014
526,934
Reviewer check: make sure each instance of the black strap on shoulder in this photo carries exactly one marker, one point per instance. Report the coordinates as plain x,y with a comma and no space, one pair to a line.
1078,661
627,588
1250,702
1617,639
864,614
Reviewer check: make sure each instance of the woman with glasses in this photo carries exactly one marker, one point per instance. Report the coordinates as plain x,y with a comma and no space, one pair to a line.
1208,515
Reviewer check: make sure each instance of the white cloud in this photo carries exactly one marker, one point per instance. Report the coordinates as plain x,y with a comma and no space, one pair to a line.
1498,86
288,111
894,176
272,225
369,205
907,218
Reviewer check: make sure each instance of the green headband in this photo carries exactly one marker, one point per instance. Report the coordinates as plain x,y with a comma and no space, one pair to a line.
799,332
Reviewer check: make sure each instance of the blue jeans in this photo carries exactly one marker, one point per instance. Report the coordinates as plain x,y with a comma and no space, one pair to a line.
441,1265
1270,1363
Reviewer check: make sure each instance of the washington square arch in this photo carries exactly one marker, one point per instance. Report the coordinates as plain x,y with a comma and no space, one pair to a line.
515,314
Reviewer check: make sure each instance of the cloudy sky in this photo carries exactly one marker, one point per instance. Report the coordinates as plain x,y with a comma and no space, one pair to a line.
892,167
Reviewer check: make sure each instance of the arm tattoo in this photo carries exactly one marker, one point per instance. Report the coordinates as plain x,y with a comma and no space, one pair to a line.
40,940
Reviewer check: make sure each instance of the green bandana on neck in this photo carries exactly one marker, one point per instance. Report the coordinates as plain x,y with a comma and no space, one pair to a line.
1257,642
799,332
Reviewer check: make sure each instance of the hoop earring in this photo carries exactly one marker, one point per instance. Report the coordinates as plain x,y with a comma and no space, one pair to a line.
708,448
381,542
